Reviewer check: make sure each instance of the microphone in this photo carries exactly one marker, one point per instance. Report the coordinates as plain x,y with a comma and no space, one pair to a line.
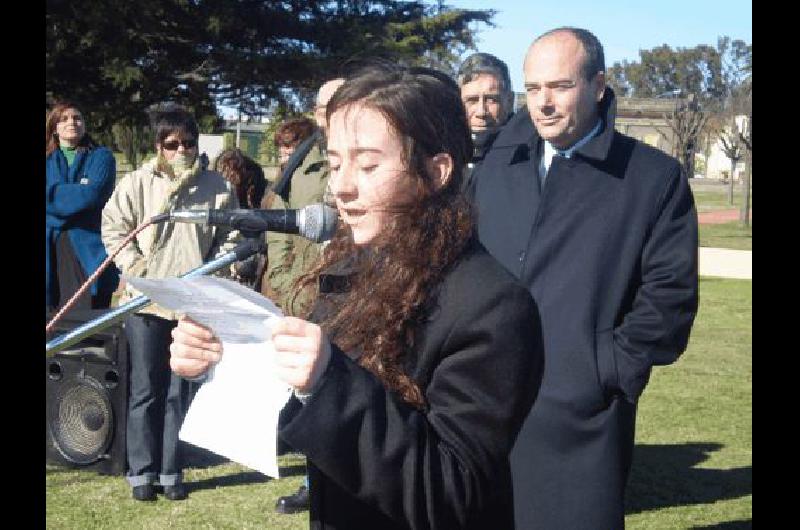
316,222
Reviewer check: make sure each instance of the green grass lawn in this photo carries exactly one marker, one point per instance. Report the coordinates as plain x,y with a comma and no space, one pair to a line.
726,235
730,235
693,459
224,495
692,465
710,200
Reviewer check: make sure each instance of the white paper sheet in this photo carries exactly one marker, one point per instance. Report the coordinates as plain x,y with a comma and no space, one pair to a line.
235,412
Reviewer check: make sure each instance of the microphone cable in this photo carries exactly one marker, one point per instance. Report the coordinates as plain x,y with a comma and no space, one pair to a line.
153,220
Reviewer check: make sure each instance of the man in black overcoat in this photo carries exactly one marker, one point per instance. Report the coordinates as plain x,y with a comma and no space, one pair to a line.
603,230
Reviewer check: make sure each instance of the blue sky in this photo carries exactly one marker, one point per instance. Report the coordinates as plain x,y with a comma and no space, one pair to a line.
623,26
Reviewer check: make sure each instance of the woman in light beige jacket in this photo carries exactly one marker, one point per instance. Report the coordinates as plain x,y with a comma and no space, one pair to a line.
174,179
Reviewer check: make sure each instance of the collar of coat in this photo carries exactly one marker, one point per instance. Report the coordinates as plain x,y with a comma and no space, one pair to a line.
177,183
337,278
65,171
281,187
520,138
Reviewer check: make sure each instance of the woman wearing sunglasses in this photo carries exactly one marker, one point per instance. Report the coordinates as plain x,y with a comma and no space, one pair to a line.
174,178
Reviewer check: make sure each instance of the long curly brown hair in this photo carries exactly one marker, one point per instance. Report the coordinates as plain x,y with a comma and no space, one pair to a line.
293,131
396,278
244,174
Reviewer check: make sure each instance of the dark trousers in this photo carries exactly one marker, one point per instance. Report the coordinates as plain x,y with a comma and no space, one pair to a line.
156,403
70,276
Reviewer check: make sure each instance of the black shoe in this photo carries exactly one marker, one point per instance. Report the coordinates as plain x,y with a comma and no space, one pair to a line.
176,492
145,492
297,502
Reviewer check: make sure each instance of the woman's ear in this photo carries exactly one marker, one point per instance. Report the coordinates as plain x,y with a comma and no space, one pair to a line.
440,168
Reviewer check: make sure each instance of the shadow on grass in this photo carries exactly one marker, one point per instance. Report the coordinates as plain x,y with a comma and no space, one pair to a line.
241,479
665,475
236,479
198,458
51,469
293,471
730,525
57,476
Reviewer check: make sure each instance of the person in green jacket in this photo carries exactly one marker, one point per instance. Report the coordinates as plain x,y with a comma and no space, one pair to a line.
303,183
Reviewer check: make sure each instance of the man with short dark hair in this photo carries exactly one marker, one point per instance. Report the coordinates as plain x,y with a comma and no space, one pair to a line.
488,100
486,91
603,230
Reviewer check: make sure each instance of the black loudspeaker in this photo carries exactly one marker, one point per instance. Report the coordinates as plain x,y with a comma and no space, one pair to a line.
87,393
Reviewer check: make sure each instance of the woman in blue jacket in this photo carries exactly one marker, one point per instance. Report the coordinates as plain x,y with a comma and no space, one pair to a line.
80,179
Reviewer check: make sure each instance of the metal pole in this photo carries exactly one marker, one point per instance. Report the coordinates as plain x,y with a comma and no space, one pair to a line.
242,251
238,127
744,215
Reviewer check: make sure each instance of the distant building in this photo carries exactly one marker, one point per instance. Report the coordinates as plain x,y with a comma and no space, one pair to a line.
212,145
644,119
519,101
717,164
251,135
251,142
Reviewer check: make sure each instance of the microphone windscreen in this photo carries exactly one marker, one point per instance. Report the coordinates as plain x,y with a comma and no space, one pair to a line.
318,222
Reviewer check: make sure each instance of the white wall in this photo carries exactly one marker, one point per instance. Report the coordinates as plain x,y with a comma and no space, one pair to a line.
212,145
718,162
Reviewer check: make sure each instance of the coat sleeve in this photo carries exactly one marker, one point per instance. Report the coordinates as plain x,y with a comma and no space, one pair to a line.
437,468
121,214
64,200
290,256
656,329
281,266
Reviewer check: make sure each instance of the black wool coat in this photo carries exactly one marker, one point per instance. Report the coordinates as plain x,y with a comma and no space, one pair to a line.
608,249
375,462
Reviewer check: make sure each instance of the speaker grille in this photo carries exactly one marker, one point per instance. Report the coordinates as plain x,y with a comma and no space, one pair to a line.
82,421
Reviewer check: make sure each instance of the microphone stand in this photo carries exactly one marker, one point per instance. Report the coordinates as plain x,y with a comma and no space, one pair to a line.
248,247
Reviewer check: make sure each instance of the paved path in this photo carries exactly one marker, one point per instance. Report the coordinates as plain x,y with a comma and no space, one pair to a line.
720,216
723,262
726,263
